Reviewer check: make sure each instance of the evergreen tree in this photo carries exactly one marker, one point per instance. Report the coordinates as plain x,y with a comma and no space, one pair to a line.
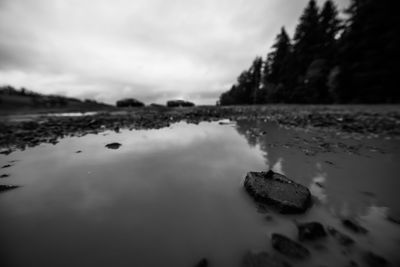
278,57
245,91
245,87
369,53
307,37
307,44
355,61
330,27
279,60
318,71
256,80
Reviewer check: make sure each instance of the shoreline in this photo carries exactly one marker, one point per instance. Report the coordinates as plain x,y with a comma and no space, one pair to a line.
373,121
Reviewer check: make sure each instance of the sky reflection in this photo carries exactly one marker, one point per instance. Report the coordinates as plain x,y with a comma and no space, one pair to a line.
173,196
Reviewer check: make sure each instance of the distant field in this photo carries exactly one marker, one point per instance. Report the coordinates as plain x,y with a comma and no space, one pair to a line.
17,104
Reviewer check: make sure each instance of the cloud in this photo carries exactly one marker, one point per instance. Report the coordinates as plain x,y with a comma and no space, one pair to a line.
148,49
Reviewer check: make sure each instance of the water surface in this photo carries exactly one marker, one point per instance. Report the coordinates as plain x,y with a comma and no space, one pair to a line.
172,196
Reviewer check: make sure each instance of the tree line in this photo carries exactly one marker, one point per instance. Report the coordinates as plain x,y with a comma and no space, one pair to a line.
9,95
328,59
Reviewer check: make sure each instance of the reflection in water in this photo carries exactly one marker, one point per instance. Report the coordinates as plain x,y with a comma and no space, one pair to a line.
166,197
72,114
317,187
357,181
172,196
277,167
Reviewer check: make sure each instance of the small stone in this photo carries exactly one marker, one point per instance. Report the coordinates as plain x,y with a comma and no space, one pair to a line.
353,264
354,226
4,175
263,259
6,166
320,247
393,217
374,260
289,247
343,239
311,231
202,263
368,194
5,187
5,151
269,217
79,151
113,145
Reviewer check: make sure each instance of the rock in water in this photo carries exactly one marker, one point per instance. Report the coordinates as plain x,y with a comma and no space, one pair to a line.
5,151
393,217
263,259
289,247
202,263
310,231
354,226
5,187
279,191
343,239
113,145
374,260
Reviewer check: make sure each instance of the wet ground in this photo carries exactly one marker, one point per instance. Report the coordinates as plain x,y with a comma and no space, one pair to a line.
172,196
28,130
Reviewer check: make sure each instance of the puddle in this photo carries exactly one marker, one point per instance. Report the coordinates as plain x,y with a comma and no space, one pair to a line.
72,114
173,196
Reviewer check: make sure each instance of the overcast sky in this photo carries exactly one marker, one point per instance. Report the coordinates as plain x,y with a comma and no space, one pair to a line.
151,50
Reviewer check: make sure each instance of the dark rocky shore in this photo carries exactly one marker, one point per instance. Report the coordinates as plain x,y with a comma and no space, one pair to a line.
33,130
286,196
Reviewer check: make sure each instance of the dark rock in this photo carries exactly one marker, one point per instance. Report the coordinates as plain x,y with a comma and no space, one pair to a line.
4,175
129,102
263,259
179,103
311,231
320,247
354,226
6,166
352,264
392,217
79,151
155,105
343,239
5,151
5,187
289,247
30,125
113,145
374,260
368,194
278,191
202,263
269,217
